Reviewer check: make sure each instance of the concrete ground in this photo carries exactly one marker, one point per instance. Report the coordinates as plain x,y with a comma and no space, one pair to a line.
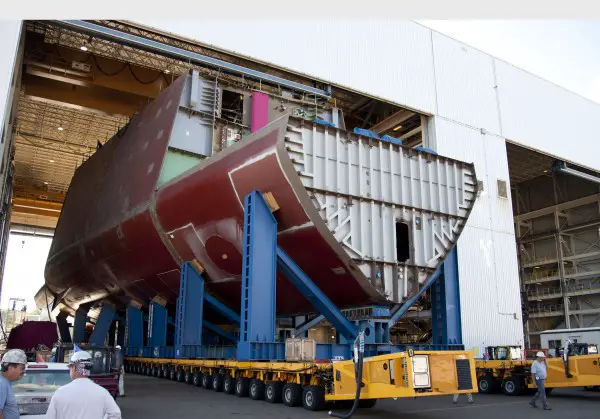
149,398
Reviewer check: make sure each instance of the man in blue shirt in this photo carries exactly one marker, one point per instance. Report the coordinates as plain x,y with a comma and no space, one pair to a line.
13,367
539,374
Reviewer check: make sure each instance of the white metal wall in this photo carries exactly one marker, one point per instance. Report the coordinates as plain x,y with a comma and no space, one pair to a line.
10,30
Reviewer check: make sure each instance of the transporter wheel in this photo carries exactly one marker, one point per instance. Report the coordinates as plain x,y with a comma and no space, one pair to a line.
242,385
257,389
181,376
162,372
188,377
148,370
229,385
155,371
486,384
367,403
173,374
135,368
197,378
217,382
549,391
207,381
167,372
292,394
512,386
313,398
273,391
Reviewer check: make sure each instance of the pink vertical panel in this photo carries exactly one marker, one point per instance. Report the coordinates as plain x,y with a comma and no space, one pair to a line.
260,111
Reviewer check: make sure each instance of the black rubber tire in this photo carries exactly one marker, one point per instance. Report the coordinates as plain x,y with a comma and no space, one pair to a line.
188,377
136,369
173,374
367,403
207,381
155,371
162,372
549,391
181,376
217,382
229,385
512,386
197,379
485,384
242,386
291,395
256,389
313,398
148,371
273,391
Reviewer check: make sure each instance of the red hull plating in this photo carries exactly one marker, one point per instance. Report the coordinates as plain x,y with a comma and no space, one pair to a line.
120,237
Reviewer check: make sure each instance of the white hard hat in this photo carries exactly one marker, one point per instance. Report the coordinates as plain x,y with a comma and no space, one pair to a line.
81,357
118,346
540,354
15,356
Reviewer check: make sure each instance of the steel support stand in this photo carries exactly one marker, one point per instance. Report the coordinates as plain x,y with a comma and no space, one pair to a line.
157,326
258,275
63,328
111,333
79,325
190,308
135,330
121,333
445,304
103,324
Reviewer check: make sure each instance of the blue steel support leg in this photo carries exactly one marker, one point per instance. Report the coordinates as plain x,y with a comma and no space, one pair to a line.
63,328
135,330
157,337
404,308
107,315
258,275
313,294
445,304
190,308
79,325
222,308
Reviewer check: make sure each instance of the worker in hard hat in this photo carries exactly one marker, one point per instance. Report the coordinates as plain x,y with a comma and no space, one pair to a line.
13,365
82,398
539,375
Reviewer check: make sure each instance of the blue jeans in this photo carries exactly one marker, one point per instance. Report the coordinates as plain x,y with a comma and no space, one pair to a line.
541,392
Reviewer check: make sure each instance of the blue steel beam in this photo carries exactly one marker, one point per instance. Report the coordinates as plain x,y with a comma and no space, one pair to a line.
313,294
217,330
259,271
186,56
303,328
445,302
135,327
79,324
102,326
222,308
157,326
121,332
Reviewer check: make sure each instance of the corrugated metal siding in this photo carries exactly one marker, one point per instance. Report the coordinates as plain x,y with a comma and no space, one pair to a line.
496,160
465,143
10,30
489,290
465,84
389,59
541,115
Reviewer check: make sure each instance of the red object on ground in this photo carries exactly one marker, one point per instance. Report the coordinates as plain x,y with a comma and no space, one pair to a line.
30,334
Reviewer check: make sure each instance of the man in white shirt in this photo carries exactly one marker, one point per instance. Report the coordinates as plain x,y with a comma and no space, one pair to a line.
82,398
539,374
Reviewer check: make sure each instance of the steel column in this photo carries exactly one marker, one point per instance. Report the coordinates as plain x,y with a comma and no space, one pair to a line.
445,304
190,307
79,325
157,325
63,328
313,294
105,319
258,274
112,330
135,329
